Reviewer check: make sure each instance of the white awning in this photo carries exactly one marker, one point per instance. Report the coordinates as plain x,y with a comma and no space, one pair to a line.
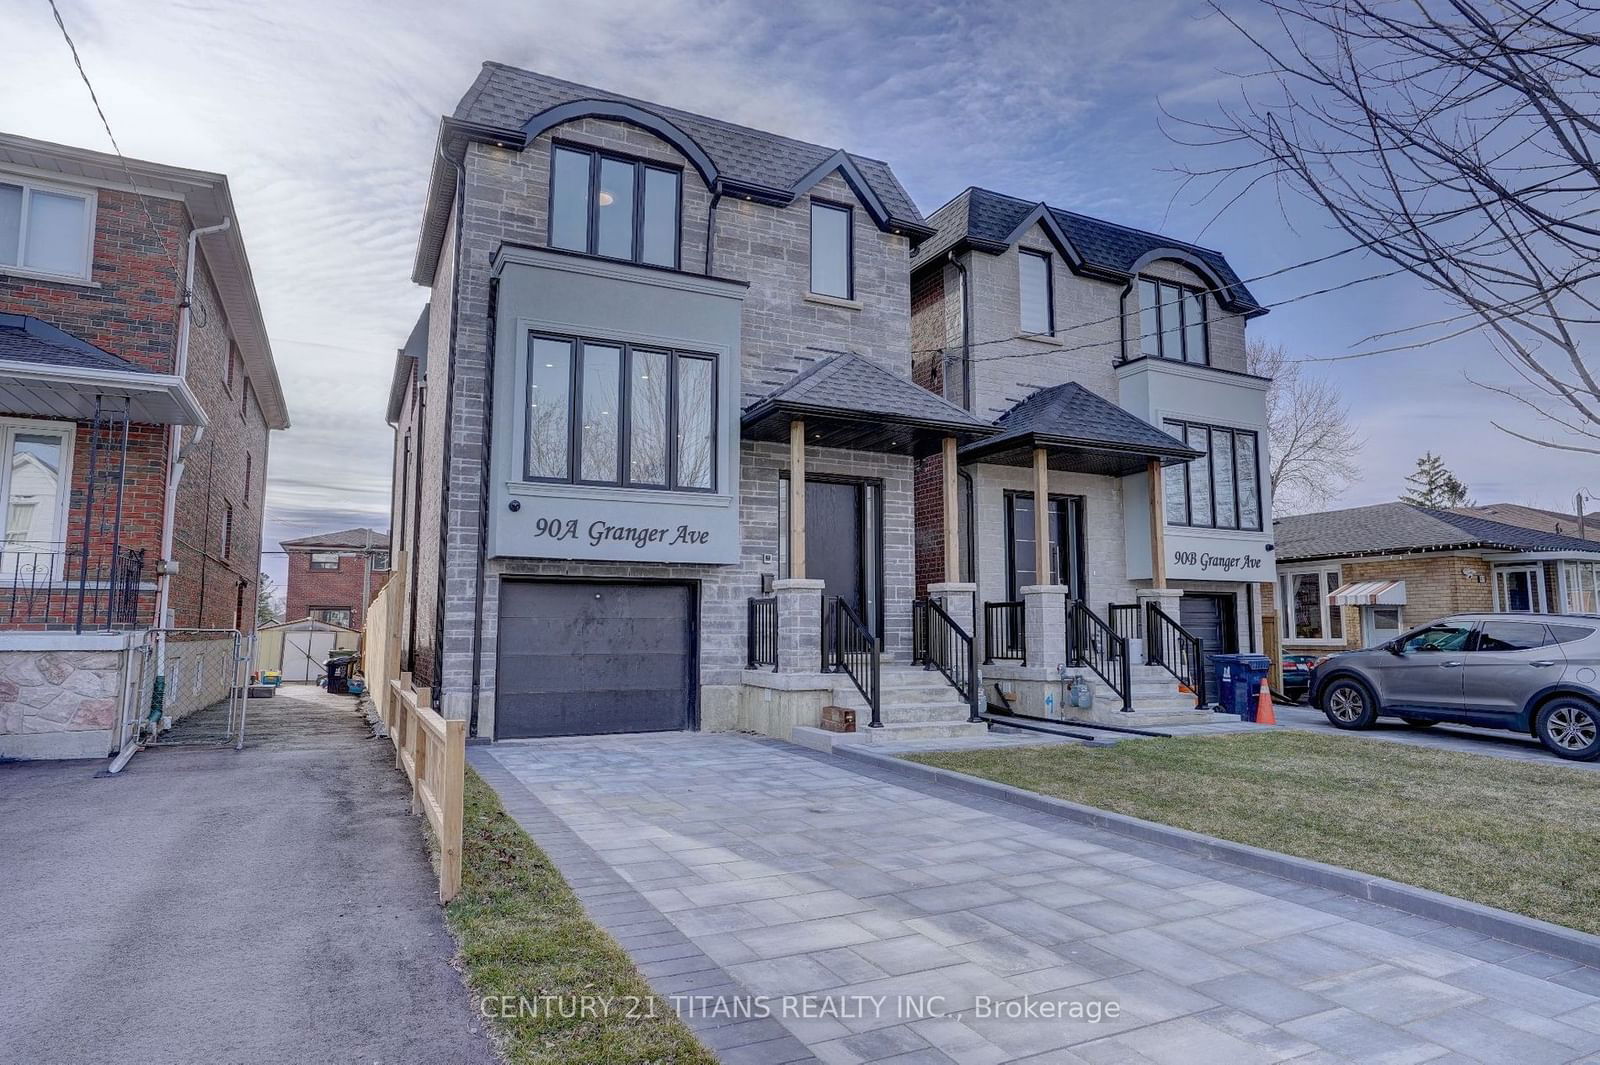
1369,593
63,392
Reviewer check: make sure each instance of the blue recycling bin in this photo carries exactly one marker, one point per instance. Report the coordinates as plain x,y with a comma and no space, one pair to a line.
1239,680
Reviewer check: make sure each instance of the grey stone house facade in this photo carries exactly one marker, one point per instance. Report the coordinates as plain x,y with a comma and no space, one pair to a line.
1113,362
656,434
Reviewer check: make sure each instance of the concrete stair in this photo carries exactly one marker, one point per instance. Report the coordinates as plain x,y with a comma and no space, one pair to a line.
1157,700
914,704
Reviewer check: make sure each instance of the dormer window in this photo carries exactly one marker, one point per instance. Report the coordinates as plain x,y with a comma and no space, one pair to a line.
1172,321
1037,301
619,208
45,230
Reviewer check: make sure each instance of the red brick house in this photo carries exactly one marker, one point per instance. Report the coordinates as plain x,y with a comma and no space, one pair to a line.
333,577
137,395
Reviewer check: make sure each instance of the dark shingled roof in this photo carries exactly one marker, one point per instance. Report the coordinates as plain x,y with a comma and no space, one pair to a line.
27,339
506,97
847,383
343,538
1396,528
988,219
1073,416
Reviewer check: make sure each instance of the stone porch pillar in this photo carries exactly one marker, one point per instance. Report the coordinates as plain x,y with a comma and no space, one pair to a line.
958,598
799,625
1044,613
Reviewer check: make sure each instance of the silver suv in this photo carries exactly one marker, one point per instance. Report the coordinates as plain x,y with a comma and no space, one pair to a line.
1535,673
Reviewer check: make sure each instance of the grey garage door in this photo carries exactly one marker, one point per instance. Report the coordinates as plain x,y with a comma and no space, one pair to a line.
1210,619
580,658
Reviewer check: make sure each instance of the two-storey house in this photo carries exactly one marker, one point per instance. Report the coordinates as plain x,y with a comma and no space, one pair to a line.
655,433
137,393
1131,441
333,576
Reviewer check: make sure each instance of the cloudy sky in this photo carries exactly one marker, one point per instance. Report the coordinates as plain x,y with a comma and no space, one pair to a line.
323,115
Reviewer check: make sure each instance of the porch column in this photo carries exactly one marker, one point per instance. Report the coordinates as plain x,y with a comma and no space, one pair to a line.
1158,527
952,517
1041,517
797,500
1044,616
799,625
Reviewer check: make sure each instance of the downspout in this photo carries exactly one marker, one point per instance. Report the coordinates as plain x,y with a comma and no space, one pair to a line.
175,467
966,331
711,228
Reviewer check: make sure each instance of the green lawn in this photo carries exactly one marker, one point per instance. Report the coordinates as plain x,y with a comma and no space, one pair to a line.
1514,835
523,934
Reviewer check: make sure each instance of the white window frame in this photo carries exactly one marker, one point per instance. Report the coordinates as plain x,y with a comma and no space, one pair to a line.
9,428
91,198
317,563
1497,572
1585,597
1285,589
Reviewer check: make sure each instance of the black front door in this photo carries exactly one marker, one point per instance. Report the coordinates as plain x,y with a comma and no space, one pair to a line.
833,541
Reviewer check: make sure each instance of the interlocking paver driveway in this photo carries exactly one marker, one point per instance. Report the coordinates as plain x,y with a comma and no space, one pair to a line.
793,874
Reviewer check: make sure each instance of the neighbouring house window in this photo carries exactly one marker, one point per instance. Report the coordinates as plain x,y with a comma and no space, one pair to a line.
1037,299
238,606
249,464
35,471
333,615
244,400
227,529
380,561
1172,321
325,560
831,252
1580,587
1222,488
1066,564
613,206
227,369
1519,589
46,229
604,413
1306,613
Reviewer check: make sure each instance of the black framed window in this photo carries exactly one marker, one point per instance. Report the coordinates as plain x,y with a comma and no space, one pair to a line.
1037,298
1066,562
1172,321
1222,488
610,205
832,253
600,412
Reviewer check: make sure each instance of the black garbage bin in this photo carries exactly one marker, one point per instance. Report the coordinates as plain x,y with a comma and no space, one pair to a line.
1239,682
338,670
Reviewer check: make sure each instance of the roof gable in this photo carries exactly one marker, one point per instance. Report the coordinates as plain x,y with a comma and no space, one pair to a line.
1072,412
350,538
846,381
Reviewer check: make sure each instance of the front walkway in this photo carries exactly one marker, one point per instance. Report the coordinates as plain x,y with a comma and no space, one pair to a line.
736,867
274,904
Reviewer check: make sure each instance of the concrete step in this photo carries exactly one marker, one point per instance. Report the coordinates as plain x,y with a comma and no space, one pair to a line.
910,709
822,740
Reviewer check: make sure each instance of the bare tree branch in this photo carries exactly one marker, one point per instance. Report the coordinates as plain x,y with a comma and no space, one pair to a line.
1314,446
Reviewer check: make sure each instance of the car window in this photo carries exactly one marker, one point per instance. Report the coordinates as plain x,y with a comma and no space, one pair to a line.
1444,637
1569,633
1510,636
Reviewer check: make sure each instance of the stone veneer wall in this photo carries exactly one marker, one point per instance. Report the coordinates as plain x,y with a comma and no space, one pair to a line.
59,701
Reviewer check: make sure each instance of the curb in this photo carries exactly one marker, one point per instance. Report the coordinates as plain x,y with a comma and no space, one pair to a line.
1529,932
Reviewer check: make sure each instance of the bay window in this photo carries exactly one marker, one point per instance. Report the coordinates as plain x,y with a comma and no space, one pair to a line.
1172,321
1304,609
1222,488
609,205
45,229
604,413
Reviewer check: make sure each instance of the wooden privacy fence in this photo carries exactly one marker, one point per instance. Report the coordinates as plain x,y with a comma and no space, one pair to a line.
431,750
433,753
1272,647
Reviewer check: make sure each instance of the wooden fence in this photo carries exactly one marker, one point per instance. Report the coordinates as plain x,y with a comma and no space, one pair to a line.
1272,647
431,750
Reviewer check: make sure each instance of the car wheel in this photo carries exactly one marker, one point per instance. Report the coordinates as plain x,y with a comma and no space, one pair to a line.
1570,728
1349,705
1419,722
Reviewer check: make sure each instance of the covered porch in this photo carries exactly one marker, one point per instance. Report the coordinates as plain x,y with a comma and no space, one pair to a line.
837,621
81,432
1056,599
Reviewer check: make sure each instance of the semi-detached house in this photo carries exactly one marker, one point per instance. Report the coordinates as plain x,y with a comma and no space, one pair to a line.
658,439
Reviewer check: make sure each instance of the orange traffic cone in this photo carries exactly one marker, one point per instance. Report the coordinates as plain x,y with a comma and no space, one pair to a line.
1264,714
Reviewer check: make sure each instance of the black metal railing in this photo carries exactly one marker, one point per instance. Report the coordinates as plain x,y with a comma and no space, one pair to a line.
1093,644
1124,618
66,587
855,654
1004,633
761,633
1174,648
950,649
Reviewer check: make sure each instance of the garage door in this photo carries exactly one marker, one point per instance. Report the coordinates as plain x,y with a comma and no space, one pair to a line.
580,658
